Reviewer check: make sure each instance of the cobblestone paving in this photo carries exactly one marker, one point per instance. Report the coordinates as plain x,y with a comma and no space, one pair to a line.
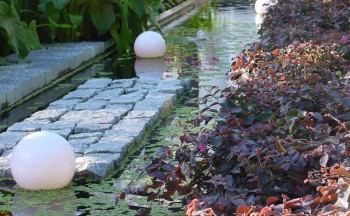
102,120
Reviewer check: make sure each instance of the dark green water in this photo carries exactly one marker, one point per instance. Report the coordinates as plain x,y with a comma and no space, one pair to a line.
227,26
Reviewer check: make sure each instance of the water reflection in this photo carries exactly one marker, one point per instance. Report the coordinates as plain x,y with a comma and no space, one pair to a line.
209,41
229,25
27,203
150,68
259,19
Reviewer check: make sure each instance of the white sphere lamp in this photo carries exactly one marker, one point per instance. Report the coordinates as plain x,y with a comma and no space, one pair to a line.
261,6
42,161
150,68
149,44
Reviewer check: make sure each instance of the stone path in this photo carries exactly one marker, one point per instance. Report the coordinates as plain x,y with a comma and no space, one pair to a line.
102,120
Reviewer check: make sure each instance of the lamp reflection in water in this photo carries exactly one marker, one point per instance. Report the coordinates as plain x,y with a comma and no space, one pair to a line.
261,6
259,19
56,202
150,68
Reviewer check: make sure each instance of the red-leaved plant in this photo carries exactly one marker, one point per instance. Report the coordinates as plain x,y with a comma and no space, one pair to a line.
280,143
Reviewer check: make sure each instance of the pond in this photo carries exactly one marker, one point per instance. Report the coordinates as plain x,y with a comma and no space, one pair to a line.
200,48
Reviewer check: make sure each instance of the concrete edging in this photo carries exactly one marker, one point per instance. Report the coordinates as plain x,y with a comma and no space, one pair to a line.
42,67
176,12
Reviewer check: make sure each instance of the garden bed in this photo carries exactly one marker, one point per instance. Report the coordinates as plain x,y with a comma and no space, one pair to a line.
279,145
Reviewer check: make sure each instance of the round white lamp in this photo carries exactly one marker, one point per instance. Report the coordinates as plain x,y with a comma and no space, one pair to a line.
261,7
43,160
150,68
149,44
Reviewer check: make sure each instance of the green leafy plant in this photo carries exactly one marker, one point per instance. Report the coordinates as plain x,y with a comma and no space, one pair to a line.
92,19
73,20
20,36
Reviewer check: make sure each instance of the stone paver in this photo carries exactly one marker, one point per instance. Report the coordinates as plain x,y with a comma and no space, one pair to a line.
109,94
102,119
10,139
91,105
95,165
52,114
95,84
82,94
59,125
64,104
25,127
98,135
77,116
81,145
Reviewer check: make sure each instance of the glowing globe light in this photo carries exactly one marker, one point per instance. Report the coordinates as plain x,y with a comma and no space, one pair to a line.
150,68
43,160
149,44
261,6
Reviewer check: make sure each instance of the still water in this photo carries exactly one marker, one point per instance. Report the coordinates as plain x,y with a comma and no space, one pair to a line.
200,47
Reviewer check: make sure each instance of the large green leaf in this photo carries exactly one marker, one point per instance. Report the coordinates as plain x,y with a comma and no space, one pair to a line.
147,11
75,19
102,16
139,7
58,25
51,12
31,35
136,24
152,11
125,39
11,23
59,4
